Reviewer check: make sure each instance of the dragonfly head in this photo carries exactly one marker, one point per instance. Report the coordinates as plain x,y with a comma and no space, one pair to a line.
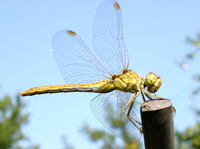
152,82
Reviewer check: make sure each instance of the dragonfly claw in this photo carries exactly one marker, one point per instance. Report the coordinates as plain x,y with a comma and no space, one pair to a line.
145,106
141,130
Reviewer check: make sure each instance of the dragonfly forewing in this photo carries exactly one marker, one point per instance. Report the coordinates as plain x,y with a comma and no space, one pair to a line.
108,36
77,63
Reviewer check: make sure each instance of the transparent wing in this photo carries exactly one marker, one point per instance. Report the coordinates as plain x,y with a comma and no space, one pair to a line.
76,61
131,132
108,38
108,110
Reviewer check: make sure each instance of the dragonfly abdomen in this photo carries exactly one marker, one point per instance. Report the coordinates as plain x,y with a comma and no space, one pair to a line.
98,87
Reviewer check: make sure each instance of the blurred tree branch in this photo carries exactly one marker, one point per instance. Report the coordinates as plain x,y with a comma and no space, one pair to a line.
190,137
183,62
12,119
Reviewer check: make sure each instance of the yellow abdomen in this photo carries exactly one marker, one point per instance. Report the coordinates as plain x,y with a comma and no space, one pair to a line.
98,87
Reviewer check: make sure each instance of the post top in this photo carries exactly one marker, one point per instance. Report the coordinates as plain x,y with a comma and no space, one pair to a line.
157,104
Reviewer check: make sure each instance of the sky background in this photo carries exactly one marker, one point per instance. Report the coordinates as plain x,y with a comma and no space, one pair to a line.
155,34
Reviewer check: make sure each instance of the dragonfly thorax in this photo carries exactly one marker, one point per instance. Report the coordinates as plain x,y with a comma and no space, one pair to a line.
152,82
128,81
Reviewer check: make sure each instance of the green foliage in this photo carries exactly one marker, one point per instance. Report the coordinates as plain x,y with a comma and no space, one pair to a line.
108,140
183,62
11,121
195,42
191,55
189,138
95,135
66,144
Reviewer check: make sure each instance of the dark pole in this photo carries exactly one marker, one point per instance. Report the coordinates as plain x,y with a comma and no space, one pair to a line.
157,123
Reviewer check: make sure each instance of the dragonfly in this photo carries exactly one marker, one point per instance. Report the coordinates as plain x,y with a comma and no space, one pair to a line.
104,70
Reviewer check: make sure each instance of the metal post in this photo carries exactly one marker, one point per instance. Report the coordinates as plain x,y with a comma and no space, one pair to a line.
157,123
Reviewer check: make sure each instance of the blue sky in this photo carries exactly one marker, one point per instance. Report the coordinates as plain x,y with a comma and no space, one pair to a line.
155,34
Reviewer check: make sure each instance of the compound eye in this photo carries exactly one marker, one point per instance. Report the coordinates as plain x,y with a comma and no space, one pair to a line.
153,82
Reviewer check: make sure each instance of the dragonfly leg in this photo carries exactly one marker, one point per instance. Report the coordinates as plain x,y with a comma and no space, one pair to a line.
130,101
133,121
143,96
151,96
147,95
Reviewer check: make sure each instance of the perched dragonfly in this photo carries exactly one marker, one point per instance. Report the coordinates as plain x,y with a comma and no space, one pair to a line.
104,71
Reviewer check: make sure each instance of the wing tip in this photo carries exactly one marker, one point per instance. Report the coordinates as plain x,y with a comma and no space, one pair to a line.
72,33
116,5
